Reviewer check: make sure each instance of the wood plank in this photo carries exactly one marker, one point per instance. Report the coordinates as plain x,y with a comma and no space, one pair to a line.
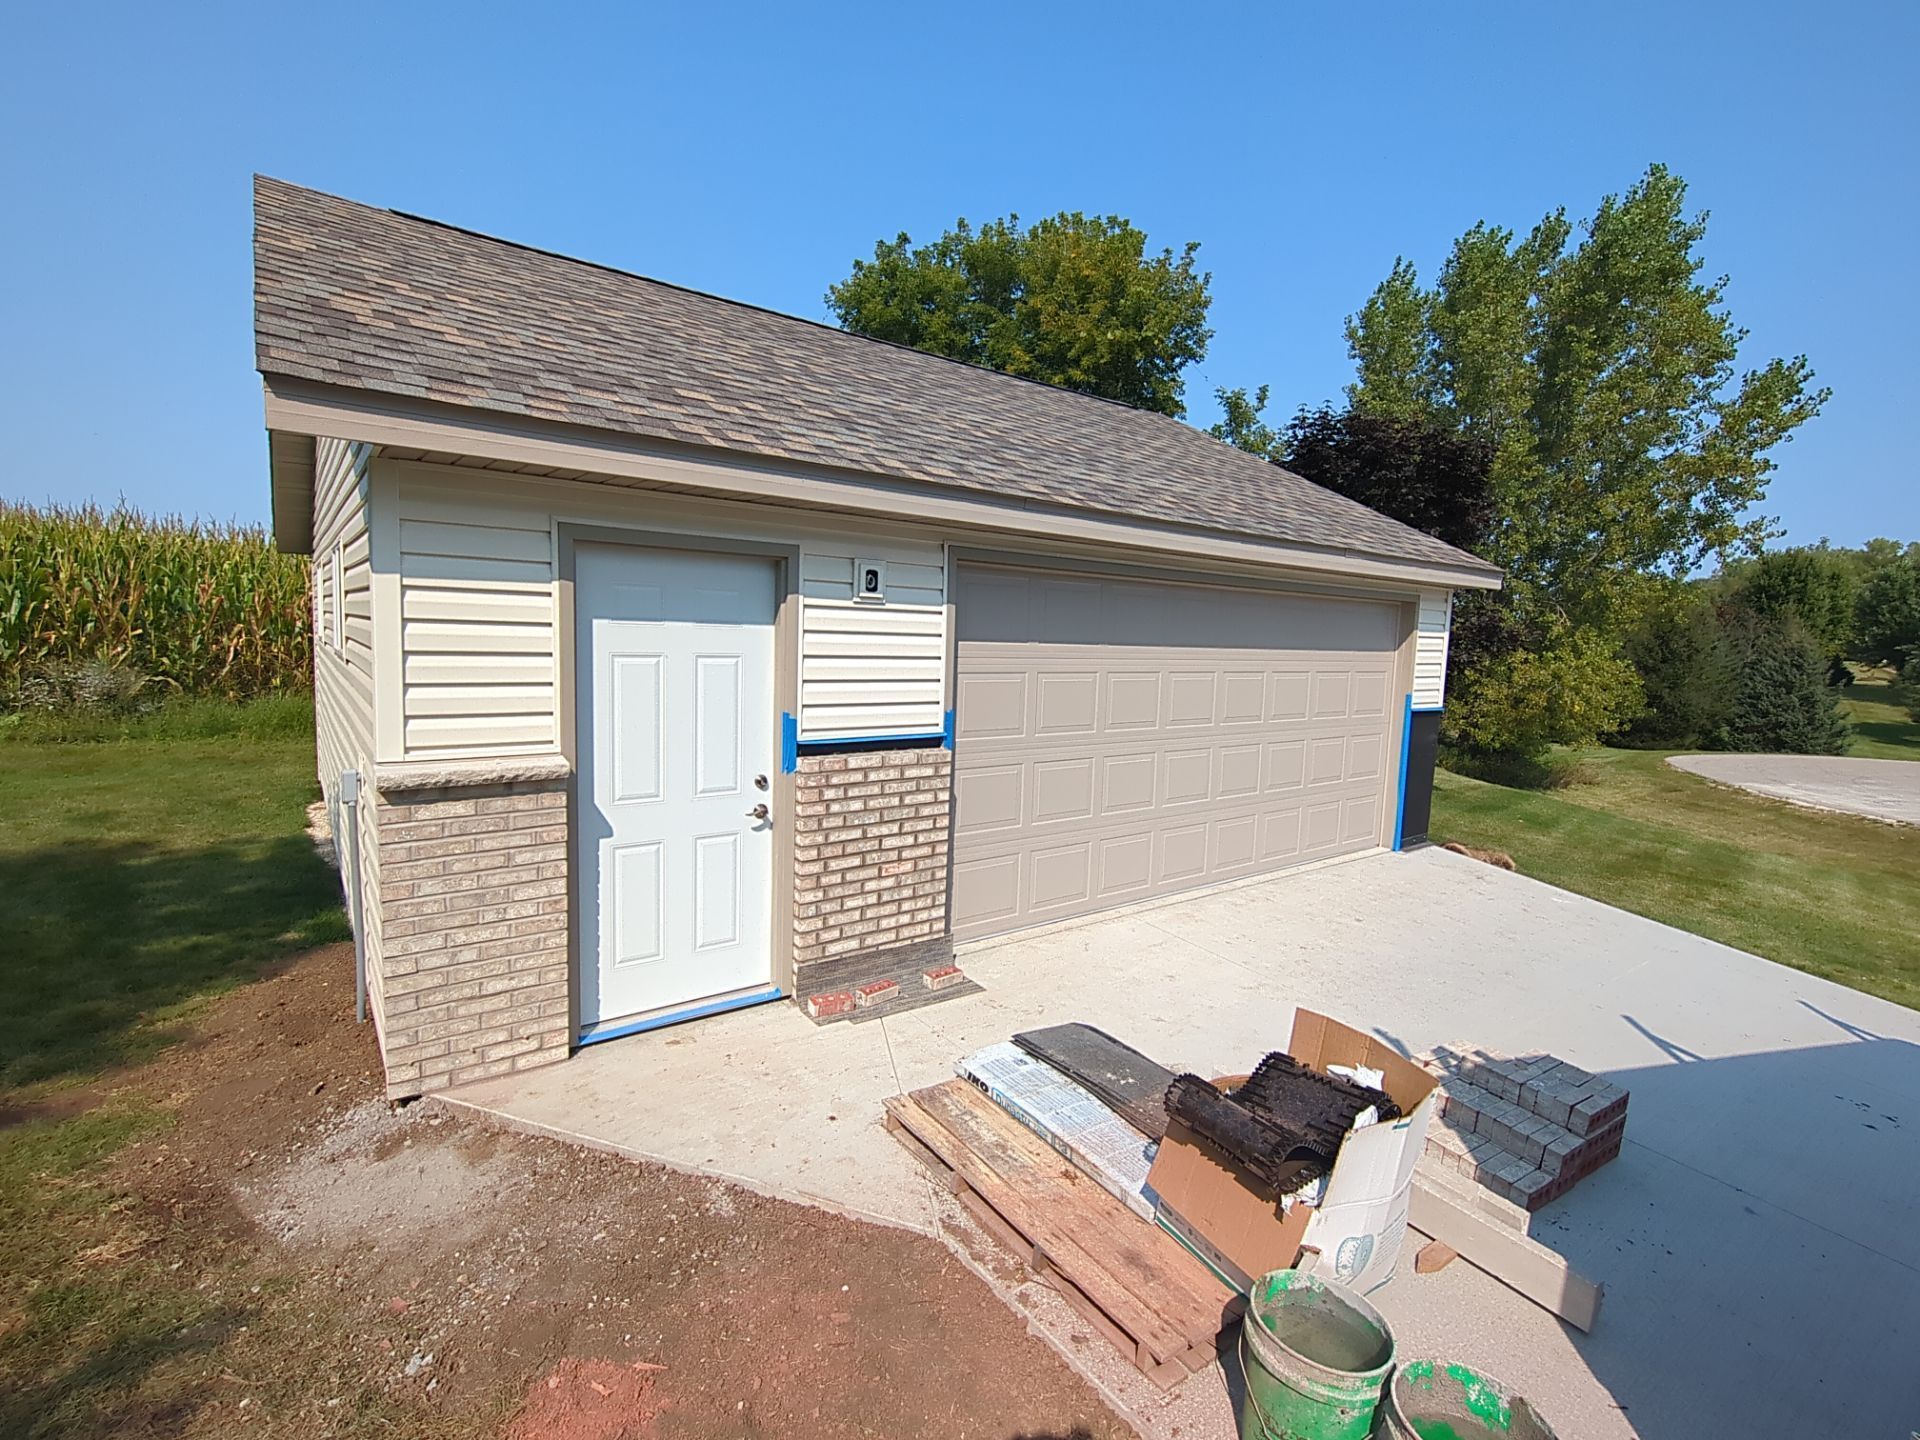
1138,1275
1517,1261
1029,1218
1153,1265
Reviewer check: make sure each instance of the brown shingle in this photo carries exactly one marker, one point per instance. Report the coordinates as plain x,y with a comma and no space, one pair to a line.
354,295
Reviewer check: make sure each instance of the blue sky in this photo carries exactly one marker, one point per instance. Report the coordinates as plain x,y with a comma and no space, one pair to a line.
755,152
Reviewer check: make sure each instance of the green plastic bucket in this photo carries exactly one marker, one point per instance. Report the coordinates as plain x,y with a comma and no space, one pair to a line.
1315,1356
1435,1400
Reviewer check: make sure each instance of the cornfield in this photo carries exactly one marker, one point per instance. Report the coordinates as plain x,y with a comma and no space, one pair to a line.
192,608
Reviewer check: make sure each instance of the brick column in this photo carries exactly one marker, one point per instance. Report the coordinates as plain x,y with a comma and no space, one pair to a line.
473,968
870,854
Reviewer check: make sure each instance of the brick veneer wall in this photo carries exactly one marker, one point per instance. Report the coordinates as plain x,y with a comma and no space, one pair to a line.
870,852
473,932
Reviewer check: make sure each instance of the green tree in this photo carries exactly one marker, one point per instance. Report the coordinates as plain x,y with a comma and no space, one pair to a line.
1887,613
1074,300
1602,372
1783,703
1600,369
1808,583
1242,424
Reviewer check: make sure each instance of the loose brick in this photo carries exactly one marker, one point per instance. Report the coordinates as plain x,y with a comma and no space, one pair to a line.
830,1003
875,992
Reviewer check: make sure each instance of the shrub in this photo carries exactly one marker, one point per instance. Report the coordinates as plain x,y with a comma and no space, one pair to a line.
199,609
1784,704
88,686
1571,692
1689,671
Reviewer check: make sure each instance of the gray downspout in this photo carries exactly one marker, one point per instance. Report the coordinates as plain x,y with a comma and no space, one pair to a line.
350,873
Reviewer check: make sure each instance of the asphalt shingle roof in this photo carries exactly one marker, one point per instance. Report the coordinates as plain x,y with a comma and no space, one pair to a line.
354,295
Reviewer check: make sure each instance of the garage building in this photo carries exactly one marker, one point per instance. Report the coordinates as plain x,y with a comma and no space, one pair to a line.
673,655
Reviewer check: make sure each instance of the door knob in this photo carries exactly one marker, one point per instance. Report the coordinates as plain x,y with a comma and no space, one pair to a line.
758,812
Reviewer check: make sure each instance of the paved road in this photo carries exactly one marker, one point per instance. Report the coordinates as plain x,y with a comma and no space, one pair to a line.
1883,789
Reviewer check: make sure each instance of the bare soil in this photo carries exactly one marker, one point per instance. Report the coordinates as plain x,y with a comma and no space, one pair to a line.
373,1271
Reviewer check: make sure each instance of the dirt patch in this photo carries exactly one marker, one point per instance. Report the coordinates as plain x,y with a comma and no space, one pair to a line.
361,1270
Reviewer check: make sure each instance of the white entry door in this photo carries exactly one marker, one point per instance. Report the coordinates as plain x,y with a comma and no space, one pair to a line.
675,706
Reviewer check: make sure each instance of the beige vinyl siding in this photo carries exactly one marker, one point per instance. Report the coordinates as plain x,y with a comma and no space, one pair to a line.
868,669
343,665
478,634
1432,629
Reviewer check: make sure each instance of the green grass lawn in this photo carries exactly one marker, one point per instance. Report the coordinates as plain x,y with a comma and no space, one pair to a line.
1882,730
145,869
1829,894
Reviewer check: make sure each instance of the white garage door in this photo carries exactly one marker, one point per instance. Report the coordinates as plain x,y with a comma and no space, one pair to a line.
1120,739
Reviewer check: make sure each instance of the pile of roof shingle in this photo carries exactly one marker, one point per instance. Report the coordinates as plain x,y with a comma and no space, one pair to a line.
1285,1124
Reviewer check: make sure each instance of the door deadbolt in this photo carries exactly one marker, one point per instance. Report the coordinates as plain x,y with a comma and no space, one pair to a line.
759,782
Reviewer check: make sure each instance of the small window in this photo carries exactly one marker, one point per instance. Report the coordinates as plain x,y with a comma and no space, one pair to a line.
338,603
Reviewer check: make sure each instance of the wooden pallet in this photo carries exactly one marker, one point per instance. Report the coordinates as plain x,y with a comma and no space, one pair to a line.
1132,1282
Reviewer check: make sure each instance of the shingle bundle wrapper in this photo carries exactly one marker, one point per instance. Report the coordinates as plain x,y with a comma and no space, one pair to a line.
1285,1125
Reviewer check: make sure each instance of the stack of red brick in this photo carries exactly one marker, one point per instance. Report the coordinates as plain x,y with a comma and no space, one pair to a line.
1527,1127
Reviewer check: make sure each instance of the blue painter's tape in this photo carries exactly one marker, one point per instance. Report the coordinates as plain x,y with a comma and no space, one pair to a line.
829,743
1406,752
946,730
789,743
1428,709
613,1030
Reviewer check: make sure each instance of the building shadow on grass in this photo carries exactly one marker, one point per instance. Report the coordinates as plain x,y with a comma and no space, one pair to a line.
96,1394
106,942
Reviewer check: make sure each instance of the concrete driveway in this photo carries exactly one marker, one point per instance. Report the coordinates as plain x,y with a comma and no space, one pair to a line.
1880,789
1757,1236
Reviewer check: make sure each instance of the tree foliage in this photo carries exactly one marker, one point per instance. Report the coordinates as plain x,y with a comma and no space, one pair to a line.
1243,425
1420,473
1887,612
1784,703
1602,372
1806,583
1074,300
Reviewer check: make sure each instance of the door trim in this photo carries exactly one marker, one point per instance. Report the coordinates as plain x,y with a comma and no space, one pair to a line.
786,698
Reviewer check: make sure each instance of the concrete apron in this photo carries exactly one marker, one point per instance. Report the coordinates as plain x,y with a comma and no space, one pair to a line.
1774,1125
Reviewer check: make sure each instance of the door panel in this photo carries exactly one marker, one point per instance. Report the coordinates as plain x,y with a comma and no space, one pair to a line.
675,663
1117,739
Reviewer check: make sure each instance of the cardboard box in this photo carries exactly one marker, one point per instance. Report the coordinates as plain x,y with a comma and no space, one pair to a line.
1237,1225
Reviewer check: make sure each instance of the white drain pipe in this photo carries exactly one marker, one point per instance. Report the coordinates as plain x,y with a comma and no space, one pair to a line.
350,873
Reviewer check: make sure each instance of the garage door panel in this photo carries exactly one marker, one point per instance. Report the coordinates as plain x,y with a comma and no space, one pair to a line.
1280,834
1162,737
1331,694
1127,783
1239,772
990,800
1124,866
992,704
1287,694
1183,853
1062,790
1190,697
1066,704
1233,843
1321,824
1327,760
1133,701
1189,777
1242,697
1061,878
